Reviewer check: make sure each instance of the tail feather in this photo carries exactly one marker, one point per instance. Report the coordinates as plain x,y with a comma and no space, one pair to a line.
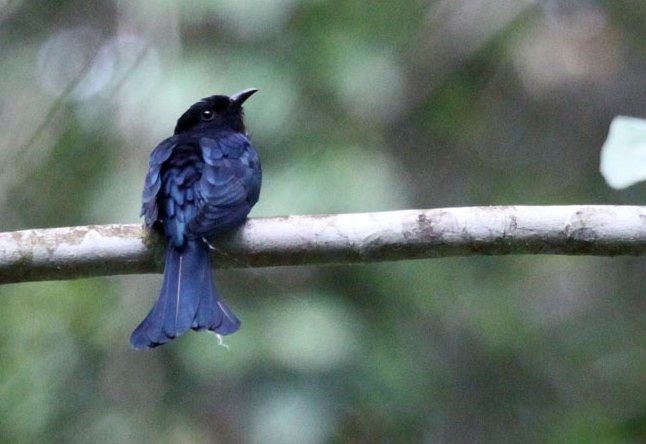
188,300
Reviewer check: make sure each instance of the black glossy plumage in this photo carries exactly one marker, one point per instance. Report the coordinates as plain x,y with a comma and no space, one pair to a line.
201,181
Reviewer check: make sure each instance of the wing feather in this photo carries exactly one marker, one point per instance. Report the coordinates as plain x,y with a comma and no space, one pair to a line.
153,182
229,184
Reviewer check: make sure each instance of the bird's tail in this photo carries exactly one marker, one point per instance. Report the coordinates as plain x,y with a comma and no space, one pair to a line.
188,299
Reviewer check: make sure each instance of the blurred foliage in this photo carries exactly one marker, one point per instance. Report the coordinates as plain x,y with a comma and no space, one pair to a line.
364,106
623,155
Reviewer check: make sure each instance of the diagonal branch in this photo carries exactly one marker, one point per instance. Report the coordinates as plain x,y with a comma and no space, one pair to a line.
98,250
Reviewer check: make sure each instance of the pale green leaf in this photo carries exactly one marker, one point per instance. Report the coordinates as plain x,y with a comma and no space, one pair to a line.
623,155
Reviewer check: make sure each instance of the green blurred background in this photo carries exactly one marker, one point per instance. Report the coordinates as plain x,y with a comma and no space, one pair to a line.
363,106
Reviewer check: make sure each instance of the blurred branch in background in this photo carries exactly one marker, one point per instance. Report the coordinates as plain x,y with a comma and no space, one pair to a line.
64,253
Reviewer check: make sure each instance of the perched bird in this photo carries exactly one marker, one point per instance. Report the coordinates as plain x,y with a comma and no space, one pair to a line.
201,181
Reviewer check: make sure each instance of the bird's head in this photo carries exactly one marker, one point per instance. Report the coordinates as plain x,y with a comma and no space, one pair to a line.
215,112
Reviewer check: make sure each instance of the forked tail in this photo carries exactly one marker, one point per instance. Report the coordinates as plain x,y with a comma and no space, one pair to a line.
188,299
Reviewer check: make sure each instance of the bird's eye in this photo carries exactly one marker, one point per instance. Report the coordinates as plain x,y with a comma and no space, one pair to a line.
207,115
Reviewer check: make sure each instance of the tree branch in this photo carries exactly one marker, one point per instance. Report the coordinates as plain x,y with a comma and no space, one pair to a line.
97,250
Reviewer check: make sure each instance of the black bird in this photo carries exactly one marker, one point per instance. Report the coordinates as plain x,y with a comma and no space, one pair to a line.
201,181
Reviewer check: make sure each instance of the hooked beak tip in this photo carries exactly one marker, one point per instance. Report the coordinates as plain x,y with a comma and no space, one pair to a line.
242,96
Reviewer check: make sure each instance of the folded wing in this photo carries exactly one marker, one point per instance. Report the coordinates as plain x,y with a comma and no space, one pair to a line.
229,184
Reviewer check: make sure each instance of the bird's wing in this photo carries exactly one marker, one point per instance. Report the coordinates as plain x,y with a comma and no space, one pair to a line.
152,184
229,185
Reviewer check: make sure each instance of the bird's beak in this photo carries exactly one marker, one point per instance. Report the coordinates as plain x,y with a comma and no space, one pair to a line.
240,97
